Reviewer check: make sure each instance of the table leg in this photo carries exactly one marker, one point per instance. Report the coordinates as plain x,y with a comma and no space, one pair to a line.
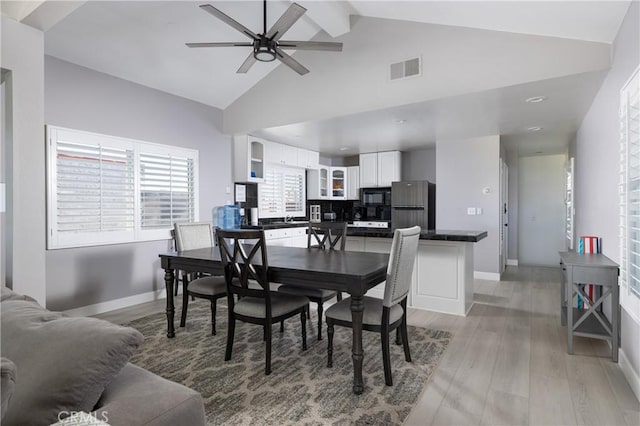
615,320
357,309
169,278
570,285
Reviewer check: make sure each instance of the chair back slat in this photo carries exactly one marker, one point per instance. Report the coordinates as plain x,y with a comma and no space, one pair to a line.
327,235
244,260
191,236
401,260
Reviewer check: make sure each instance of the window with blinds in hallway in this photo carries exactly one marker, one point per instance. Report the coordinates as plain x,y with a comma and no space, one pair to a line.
107,190
630,193
282,193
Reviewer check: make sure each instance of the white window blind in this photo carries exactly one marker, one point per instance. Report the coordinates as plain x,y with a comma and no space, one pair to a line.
569,202
282,193
166,190
105,190
630,187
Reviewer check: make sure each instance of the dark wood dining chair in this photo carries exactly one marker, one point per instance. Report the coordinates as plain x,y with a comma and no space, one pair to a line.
244,259
191,236
388,314
324,236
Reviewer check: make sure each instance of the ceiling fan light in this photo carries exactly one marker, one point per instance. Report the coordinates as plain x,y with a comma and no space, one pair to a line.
264,54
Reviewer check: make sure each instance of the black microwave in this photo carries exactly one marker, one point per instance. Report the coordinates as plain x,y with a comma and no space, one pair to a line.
370,197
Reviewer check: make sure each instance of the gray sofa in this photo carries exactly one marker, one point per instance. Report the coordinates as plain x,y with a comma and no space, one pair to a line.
54,365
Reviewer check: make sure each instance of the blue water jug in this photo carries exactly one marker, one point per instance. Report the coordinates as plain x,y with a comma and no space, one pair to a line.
231,217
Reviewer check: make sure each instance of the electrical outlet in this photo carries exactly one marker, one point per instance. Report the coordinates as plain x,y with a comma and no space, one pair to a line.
471,211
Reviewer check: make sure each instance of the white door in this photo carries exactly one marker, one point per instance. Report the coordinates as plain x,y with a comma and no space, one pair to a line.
541,209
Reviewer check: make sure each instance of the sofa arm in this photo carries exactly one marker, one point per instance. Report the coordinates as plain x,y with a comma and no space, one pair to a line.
7,383
138,397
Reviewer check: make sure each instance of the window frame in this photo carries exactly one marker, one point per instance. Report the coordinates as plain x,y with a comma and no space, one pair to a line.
629,298
57,240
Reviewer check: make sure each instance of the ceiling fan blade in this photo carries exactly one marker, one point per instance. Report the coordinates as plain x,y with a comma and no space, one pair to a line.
290,62
288,18
311,45
247,64
216,44
229,20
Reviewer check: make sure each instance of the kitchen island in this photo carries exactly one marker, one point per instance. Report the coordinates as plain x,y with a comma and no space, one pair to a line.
443,271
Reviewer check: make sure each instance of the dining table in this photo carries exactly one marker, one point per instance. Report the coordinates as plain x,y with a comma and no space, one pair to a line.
352,272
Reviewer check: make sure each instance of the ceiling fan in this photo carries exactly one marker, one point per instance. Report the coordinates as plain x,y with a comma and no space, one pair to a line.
267,46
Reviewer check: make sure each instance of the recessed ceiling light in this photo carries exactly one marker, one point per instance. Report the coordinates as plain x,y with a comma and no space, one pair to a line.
534,129
400,121
345,148
536,99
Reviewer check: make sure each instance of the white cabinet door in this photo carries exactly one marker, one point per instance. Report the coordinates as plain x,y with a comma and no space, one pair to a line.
368,170
353,183
289,155
389,167
308,159
338,185
273,152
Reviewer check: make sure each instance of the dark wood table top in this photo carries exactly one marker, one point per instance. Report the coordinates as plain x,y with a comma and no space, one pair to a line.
350,271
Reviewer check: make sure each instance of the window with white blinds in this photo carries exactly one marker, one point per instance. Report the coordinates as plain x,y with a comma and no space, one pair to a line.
107,190
282,193
630,191
166,190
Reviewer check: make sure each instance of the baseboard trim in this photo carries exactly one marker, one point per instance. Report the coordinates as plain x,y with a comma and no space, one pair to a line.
512,262
493,276
112,305
629,373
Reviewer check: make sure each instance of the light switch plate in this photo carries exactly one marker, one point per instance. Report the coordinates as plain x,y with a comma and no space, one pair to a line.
478,210
471,211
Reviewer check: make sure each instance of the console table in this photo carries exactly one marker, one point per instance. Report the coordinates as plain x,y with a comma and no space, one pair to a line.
600,271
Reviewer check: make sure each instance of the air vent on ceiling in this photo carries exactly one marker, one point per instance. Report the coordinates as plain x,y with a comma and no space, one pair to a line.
405,69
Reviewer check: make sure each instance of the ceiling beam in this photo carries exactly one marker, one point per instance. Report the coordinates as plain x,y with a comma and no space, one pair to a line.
331,16
40,14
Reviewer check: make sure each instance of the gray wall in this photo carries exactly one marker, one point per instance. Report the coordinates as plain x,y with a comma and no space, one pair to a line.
23,55
597,164
419,165
465,168
82,99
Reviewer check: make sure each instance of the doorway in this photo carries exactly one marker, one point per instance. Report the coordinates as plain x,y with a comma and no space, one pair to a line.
541,209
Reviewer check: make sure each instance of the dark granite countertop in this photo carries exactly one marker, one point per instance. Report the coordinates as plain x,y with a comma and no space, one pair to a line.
436,235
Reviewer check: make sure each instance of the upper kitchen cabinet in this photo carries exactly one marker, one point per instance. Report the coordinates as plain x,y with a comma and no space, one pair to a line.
380,168
339,183
318,183
353,178
308,159
283,155
249,158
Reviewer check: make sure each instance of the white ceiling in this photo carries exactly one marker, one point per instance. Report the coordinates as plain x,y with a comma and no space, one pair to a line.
143,41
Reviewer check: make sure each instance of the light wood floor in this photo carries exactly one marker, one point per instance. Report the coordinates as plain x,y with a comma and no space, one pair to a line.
507,363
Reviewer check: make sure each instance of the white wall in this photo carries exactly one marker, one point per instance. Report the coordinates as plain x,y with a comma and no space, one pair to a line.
597,168
541,209
83,99
465,167
356,79
23,55
419,165
514,176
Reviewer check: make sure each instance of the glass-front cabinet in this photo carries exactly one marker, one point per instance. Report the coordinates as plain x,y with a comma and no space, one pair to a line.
339,183
318,183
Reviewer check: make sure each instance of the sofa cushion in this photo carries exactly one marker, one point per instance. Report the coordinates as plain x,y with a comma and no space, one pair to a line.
64,362
7,383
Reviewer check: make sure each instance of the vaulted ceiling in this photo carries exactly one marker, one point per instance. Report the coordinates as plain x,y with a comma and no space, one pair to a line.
481,59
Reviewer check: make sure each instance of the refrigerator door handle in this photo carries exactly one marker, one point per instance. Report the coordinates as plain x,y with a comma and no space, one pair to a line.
408,207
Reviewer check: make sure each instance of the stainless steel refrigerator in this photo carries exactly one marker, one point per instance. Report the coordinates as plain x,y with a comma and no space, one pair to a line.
413,203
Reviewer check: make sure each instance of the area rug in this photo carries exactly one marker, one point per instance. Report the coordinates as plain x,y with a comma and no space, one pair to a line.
301,389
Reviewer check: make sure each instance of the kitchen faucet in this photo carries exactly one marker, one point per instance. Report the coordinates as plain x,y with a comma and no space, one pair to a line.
288,218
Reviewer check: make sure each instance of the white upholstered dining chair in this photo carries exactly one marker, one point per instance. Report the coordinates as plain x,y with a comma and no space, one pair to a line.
387,314
191,236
